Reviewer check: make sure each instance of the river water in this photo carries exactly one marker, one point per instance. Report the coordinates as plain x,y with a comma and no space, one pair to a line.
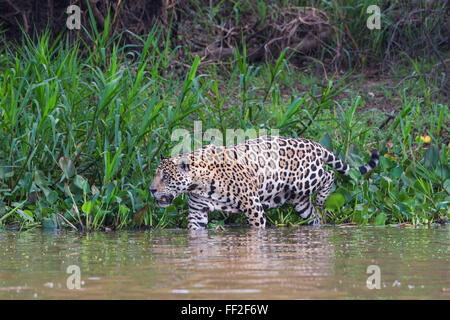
238,263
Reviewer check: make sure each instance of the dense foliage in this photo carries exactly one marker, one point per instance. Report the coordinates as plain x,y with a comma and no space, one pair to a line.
82,126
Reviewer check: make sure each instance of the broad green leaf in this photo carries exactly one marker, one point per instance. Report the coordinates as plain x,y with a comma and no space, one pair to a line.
326,141
51,196
397,172
380,219
87,207
67,167
40,179
48,223
81,183
354,174
26,215
334,201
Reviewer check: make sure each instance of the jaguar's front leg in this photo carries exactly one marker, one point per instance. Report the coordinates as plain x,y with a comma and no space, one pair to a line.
198,214
255,213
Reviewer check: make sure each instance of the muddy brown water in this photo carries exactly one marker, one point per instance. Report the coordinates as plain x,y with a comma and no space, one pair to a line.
238,263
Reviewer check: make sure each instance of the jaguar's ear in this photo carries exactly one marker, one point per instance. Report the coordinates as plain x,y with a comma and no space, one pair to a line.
183,165
161,157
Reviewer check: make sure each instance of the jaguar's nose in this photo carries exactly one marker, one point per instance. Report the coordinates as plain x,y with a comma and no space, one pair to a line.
152,191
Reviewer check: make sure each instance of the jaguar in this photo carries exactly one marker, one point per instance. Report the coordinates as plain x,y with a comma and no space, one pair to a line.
251,177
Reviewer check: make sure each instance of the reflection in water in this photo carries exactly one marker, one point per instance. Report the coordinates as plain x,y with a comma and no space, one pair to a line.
294,263
250,261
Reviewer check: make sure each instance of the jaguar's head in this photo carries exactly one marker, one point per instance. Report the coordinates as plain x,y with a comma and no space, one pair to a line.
172,177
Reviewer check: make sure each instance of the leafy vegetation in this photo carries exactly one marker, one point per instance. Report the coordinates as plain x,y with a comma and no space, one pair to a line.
82,127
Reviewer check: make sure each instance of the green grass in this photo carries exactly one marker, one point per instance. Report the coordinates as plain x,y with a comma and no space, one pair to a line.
82,127
81,134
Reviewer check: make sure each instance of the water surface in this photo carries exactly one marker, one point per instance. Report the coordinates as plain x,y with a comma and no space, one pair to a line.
239,263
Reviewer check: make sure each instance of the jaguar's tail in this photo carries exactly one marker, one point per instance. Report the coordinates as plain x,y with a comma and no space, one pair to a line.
341,167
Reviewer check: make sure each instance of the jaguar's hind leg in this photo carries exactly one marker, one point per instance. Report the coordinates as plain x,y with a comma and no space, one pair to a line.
306,210
325,189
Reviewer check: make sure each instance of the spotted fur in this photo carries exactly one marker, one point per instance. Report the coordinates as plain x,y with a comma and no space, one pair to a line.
251,177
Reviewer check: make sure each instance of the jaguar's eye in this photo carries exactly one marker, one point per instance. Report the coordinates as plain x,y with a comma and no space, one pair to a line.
163,178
